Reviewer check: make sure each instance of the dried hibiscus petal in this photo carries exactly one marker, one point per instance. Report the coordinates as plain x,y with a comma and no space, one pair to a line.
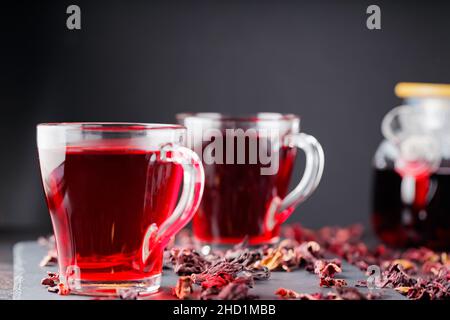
310,250
287,293
402,290
273,260
54,285
291,294
290,260
259,273
348,293
51,280
223,266
184,289
332,282
209,293
421,255
60,289
218,280
326,270
235,291
54,289
418,294
407,265
298,233
371,295
50,259
417,273
245,279
431,267
395,276
245,257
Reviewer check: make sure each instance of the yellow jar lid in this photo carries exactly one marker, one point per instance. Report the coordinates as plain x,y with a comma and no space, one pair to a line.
418,89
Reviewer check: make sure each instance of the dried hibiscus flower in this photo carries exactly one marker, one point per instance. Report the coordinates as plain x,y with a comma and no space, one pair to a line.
187,261
243,256
341,293
416,273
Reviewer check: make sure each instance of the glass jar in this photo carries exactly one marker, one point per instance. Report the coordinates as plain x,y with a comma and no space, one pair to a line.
411,178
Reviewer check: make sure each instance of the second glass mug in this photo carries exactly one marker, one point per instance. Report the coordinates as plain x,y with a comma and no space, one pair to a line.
240,201
112,191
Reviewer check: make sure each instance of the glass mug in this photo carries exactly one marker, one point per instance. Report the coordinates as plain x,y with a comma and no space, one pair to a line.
246,197
112,192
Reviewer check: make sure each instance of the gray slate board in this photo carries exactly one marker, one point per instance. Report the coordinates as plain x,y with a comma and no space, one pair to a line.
28,275
6,281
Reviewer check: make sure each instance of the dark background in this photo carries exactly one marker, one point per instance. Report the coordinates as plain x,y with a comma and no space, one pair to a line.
145,61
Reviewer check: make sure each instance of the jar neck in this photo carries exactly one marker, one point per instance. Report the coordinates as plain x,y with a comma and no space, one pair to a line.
429,102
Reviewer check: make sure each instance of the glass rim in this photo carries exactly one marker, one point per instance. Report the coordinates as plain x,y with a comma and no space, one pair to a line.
111,126
255,117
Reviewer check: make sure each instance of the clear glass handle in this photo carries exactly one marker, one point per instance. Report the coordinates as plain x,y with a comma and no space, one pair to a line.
156,238
311,177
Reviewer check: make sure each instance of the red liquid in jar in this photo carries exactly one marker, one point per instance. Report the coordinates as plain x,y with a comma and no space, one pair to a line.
101,203
424,221
237,198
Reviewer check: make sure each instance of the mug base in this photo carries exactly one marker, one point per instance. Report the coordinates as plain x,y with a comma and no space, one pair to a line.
142,287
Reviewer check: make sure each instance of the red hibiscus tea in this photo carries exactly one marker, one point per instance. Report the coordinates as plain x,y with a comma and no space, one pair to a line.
106,200
248,163
237,199
415,214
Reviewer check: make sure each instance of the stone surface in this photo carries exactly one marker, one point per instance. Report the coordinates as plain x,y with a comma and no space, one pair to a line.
6,281
28,274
